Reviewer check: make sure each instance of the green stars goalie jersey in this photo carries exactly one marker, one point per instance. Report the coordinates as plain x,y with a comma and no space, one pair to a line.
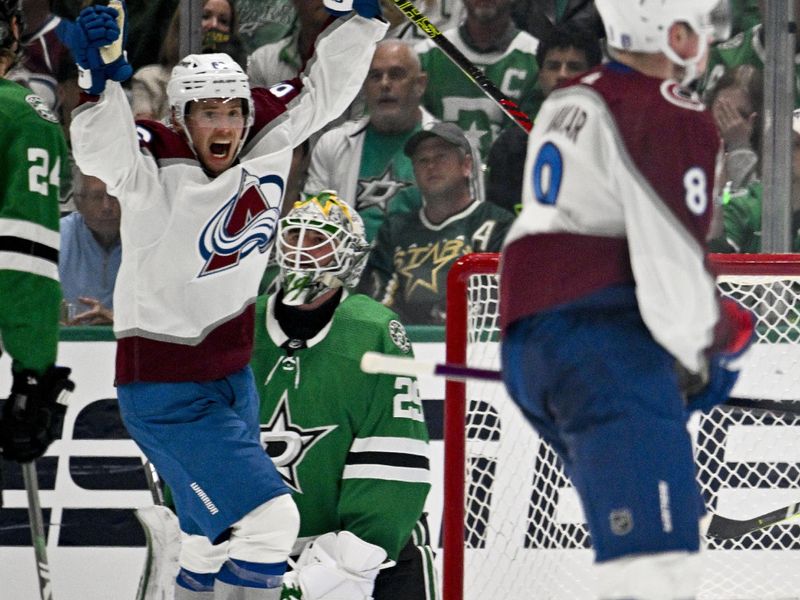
353,447
33,153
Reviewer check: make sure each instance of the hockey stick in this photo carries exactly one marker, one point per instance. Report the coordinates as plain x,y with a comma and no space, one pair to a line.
791,407
507,105
38,539
719,527
375,362
723,528
153,483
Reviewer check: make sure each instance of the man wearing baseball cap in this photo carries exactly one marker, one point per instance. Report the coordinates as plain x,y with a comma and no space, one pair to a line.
408,266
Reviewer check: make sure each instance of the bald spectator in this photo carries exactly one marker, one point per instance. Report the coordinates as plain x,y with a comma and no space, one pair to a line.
90,252
363,160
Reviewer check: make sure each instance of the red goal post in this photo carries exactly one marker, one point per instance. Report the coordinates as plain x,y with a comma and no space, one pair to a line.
769,285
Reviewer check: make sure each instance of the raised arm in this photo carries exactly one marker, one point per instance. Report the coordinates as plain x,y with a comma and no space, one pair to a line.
333,76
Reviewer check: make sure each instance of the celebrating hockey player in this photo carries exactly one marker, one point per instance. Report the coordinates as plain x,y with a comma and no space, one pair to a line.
613,330
34,154
200,202
353,447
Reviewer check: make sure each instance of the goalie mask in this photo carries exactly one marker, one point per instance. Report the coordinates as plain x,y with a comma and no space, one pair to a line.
204,77
643,26
321,245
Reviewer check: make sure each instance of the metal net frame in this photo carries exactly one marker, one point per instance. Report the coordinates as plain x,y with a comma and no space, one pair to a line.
512,525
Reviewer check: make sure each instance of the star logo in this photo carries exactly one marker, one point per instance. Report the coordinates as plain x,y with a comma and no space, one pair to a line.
420,265
475,135
378,191
287,443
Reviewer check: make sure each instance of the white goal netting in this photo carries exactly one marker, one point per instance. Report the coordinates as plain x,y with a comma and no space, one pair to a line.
524,533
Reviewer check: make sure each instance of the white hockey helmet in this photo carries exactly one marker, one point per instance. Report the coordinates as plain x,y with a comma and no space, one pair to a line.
335,255
206,76
643,25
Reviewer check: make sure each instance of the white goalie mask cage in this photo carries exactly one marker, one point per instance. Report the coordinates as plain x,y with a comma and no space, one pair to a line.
321,245
643,25
207,76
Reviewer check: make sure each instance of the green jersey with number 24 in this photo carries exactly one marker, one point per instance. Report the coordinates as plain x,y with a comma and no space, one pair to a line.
33,153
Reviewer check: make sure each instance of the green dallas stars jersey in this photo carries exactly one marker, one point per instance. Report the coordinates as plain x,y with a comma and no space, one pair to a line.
452,96
33,153
741,215
386,184
745,48
407,268
352,446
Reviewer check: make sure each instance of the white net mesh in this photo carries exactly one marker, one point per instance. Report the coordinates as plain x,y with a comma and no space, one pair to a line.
525,535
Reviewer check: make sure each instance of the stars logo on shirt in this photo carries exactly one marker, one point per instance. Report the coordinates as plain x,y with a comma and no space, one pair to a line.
378,191
287,443
420,265
475,134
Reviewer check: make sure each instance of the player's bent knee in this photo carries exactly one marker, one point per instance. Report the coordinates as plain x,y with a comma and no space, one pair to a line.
199,555
267,533
667,576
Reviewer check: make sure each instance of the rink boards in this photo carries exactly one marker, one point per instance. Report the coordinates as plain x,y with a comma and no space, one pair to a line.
91,481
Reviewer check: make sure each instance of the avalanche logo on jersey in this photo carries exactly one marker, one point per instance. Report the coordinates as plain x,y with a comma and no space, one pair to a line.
678,95
245,223
287,443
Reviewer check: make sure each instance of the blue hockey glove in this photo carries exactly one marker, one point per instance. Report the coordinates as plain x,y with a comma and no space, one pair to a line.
96,40
117,67
365,8
735,333
718,388
34,413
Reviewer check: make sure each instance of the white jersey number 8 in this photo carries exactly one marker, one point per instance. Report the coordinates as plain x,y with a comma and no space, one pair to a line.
695,183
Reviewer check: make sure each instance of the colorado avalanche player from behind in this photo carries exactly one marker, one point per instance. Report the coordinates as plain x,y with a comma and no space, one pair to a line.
200,200
613,330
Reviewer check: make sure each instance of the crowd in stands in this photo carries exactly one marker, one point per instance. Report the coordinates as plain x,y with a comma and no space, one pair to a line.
388,155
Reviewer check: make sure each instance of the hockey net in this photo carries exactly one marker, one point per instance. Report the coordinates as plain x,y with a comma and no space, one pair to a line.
513,527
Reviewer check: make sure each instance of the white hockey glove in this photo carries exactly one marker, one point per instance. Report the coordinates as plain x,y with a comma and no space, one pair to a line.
335,566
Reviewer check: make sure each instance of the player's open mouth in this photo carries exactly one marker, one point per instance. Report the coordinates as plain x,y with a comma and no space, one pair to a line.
220,149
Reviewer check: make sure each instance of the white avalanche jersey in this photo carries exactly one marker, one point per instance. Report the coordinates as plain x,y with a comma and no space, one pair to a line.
618,189
194,247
